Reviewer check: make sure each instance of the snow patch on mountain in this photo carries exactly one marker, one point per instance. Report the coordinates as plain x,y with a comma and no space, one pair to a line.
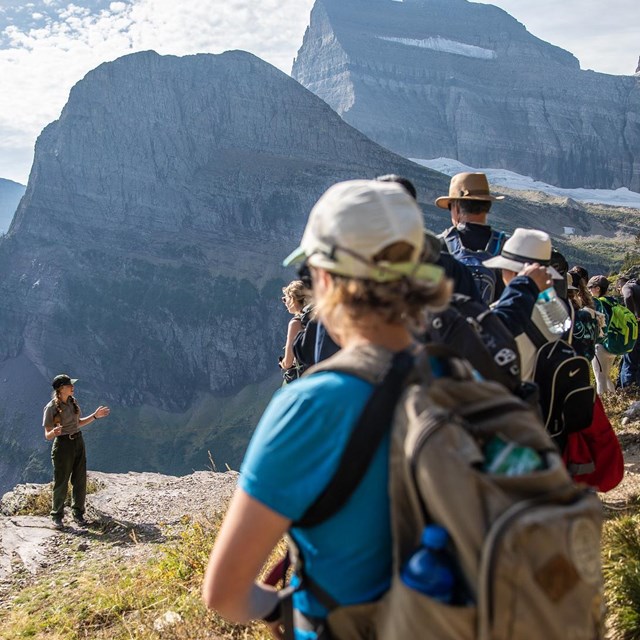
501,177
446,46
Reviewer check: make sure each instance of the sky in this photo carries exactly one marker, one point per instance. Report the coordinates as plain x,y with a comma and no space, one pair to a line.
46,46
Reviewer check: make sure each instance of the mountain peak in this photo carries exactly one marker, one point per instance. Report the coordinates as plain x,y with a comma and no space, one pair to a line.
464,80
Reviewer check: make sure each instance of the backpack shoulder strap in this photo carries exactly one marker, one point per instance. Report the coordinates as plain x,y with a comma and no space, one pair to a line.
366,436
568,336
368,362
452,239
535,335
494,246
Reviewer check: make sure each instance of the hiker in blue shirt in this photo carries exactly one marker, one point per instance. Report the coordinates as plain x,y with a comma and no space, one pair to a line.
363,243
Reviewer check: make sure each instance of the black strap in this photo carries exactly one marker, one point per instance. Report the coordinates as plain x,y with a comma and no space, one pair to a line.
363,443
522,259
535,335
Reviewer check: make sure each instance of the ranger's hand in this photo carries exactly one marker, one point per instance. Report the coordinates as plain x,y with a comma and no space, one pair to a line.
101,412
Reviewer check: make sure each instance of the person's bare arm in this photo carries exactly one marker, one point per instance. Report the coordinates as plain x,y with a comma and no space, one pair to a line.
51,431
247,536
100,412
295,326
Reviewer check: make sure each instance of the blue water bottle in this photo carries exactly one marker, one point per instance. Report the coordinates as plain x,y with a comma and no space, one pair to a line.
429,570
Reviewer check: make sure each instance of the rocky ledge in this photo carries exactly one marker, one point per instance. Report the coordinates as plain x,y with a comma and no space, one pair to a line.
130,512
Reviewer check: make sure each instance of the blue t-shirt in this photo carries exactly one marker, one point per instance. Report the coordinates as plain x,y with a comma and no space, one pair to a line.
293,454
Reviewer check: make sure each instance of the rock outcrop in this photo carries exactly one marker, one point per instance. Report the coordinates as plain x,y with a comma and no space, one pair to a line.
10,194
456,79
148,504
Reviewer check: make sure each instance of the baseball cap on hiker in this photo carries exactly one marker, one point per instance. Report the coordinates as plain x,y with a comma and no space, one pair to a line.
599,281
353,222
61,380
467,186
525,246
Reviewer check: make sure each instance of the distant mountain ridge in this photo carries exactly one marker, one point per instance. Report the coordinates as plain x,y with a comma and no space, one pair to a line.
10,194
456,79
145,256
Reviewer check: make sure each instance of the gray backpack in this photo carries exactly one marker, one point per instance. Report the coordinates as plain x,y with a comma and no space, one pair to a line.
527,546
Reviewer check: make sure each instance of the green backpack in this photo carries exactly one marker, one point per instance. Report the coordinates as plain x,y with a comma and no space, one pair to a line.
621,330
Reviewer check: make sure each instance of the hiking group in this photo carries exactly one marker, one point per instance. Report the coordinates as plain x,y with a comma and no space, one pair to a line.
424,467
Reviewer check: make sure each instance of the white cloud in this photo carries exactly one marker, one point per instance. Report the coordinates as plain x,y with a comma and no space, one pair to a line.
42,64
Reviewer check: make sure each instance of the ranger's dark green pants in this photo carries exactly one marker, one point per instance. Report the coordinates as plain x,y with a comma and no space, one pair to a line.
69,463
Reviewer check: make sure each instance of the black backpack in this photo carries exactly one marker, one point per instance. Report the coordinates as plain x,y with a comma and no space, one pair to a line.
304,344
484,277
474,332
566,393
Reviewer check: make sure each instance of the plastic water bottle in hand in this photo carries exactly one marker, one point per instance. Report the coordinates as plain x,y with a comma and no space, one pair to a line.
553,312
429,570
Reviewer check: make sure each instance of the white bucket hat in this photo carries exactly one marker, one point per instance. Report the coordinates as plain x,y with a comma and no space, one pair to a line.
353,222
525,245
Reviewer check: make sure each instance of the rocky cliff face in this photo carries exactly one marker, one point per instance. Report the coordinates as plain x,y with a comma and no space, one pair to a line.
145,256
456,79
10,194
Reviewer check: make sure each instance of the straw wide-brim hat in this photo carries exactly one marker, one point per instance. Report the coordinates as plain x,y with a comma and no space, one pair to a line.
525,246
467,186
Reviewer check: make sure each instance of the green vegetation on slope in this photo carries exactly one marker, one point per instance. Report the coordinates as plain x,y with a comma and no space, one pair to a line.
123,598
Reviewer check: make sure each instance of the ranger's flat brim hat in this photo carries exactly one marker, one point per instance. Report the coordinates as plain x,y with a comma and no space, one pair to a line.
525,246
467,186
61,380
353,222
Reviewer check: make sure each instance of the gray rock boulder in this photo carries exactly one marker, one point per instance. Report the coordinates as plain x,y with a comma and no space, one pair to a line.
456,79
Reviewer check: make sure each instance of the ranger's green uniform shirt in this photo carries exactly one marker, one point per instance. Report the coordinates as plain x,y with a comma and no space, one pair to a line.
68,417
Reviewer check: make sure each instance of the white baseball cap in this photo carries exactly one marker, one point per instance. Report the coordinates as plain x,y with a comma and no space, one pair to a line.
353,222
